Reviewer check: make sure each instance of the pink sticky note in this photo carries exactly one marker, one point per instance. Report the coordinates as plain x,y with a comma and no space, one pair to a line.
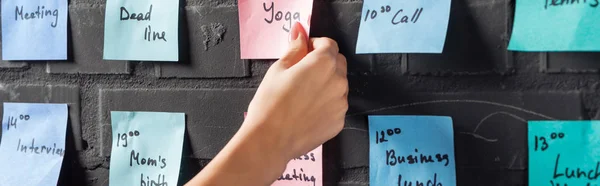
306,170
265,25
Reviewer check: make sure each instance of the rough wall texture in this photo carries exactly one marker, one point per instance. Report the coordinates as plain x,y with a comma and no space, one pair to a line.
488,91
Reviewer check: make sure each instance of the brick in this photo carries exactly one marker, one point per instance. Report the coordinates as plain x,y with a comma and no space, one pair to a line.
212,115
48,94
476,42
490,129
213,43
340,21
353,184
476,177
572,62
7,64
86,44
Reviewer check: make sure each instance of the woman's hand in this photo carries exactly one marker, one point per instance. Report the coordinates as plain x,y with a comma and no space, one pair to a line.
300,104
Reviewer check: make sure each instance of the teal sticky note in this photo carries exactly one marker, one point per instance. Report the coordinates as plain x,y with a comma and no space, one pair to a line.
411,150
33,143
564,152
146,148
556,25
391,26
141,30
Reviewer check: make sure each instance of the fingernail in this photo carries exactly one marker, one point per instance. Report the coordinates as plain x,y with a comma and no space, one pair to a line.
294,32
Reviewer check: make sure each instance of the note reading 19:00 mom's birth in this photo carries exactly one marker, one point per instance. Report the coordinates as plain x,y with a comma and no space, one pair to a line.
146,148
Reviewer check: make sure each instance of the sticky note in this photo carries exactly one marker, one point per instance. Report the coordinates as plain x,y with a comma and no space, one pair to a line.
34,29
564,152
556,25
33,143
304,170
265,25
411,150
146,148
141,30
390,26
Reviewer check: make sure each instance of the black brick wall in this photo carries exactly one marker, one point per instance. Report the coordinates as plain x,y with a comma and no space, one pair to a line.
488,90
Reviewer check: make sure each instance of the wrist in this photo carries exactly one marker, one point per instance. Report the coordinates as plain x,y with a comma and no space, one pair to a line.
263,148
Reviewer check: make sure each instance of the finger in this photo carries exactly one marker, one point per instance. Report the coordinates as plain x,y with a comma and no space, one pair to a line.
298,46
324,44
341,65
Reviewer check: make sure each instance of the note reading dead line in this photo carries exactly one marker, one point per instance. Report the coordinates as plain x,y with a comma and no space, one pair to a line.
391,26
146,148
265,25
33,143
411,150
564,153
34,30
143,30
556,25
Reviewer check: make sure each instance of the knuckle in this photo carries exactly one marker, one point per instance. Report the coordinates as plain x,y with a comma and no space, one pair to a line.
345,106
329,44
341,59
339,126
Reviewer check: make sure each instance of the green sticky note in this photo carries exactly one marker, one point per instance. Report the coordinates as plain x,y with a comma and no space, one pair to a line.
146,148
564,153
556,25
141,30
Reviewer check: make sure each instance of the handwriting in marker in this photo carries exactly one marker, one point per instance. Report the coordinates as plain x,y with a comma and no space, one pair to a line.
559,3
555,25
34,30
387,26
265,26
146,148
33,143
398,17
288,18
564,153
411,150
308,168
142,30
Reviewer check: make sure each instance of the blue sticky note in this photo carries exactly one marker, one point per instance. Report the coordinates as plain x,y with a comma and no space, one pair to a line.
33,143
411,150
556,25
34,29
564,152
390,26
146,148
142,30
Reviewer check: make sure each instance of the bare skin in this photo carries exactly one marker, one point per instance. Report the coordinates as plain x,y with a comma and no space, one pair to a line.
300,104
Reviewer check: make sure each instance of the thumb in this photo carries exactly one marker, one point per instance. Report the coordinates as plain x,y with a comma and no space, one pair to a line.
298,47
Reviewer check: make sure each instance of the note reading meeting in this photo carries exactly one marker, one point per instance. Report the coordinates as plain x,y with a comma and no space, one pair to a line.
40,13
